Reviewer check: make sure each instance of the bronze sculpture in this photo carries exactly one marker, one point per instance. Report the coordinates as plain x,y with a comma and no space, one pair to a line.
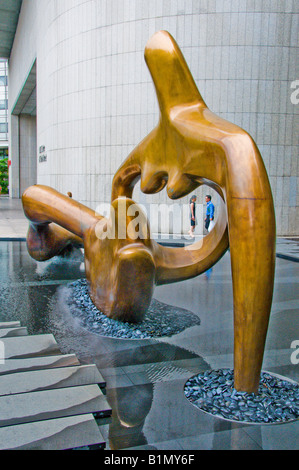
189,147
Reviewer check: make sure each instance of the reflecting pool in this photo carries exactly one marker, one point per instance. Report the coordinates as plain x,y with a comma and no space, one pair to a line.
145,377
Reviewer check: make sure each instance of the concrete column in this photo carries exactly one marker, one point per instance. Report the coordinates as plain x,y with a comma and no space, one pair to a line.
27,151
14,185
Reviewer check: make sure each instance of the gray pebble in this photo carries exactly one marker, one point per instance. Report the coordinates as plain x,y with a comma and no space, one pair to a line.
274,403
160,320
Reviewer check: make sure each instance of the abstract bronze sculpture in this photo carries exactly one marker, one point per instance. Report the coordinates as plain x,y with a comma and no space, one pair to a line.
189,147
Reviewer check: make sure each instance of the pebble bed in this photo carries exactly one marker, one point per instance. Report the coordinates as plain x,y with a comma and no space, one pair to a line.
277,400
160,320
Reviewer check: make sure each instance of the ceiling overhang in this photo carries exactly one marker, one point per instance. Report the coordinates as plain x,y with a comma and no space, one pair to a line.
26,101
9,16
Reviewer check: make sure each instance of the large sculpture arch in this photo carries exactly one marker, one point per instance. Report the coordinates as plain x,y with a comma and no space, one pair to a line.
189,147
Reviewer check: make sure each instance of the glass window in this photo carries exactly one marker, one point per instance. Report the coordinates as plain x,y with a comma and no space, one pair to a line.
4,153
3,104
3,127
3,80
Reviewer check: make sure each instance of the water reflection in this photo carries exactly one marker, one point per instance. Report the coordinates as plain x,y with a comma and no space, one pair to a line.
145,378
27,287
142,376
208,273
18,267
130,407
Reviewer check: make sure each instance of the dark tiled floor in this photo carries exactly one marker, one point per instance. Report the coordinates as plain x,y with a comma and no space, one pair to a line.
145,379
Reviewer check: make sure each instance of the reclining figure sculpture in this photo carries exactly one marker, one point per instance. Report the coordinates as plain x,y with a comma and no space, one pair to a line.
189,147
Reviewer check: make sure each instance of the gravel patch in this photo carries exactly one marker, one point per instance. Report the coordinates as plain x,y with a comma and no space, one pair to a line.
277,400
160,320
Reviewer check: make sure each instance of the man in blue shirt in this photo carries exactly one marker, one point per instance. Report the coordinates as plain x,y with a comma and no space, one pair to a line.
210,211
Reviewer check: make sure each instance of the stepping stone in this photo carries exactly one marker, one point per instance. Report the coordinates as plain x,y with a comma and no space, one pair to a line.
48,404
10,324
53,434
16,331
48,400
29,346
12,366
38,380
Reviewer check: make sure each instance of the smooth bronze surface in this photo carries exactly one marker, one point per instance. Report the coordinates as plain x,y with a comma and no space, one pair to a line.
192,146
122,265
189,147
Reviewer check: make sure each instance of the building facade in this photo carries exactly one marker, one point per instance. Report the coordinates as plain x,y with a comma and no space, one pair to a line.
81,97
3,109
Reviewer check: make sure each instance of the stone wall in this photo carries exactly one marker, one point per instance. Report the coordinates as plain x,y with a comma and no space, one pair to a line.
96,101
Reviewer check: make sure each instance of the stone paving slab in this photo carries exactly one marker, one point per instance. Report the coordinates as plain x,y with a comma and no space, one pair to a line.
48,400
29,346
288,249
10,324
49,404
59,434
16,331
11,366
48,379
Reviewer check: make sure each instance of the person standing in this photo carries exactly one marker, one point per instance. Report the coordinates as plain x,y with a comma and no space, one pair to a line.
192,204
210,211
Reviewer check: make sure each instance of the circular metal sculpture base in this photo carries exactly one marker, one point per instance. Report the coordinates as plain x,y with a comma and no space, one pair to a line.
277,400
161,320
